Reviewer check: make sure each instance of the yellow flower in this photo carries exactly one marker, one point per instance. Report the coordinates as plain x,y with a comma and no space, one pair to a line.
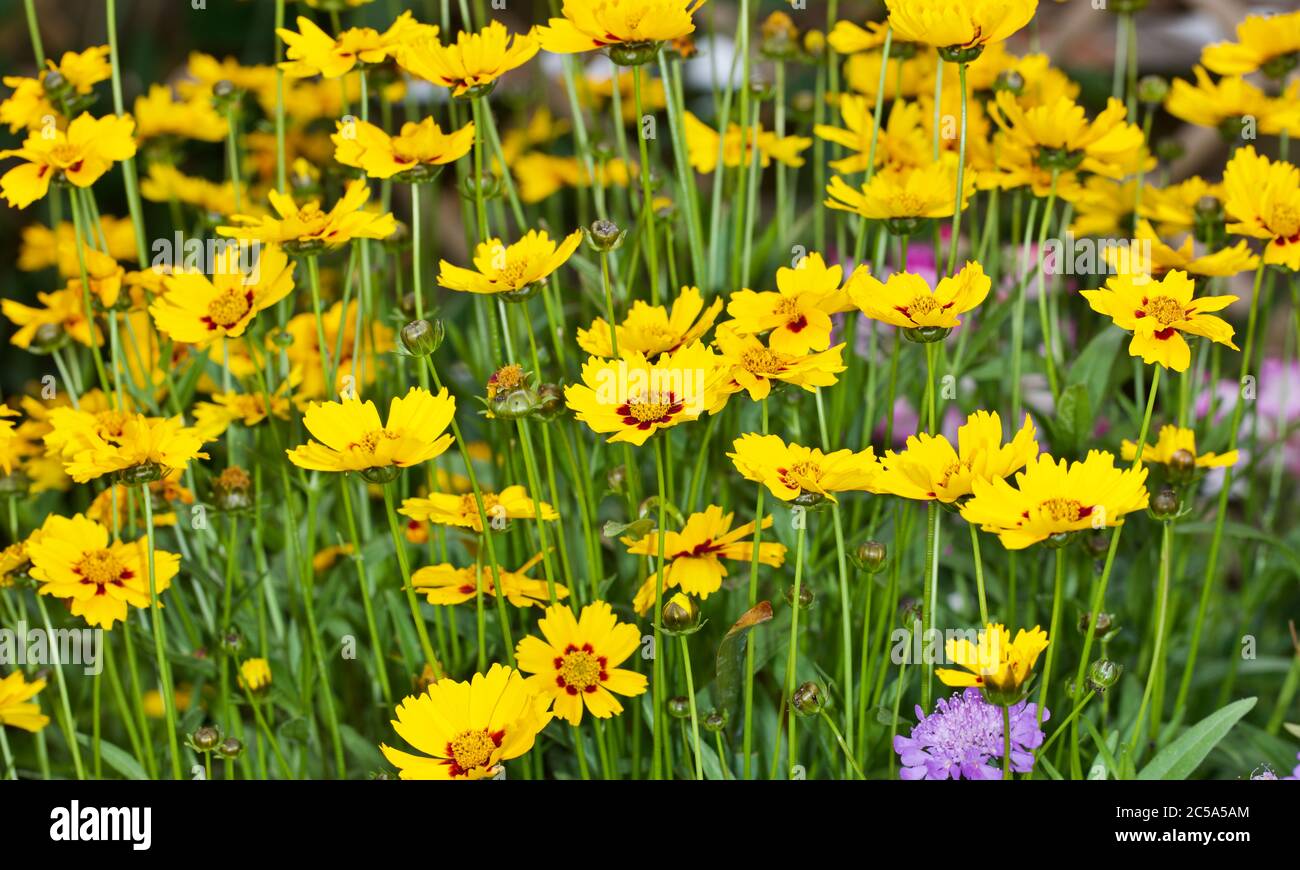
1231,102
199,310
147,445
450,509
74,560
904,195
255,675
307,229
1158,312
312,51
352,437
576,661
1262,200
325,559
750,365
1054,498
85,69
447,584
16,705
418,147
213,418
472,65
901,142
846,37
998,663
82,154
695,554
958,24
907,78
798,313
628,29
466,730
633,398
702,143
1176,440
929,468
791,472
1104,207
517,269
153,703
906,300
1173,208
1264,42
1224,262
651,329
62,310
160,113
28,107
167,183
43,247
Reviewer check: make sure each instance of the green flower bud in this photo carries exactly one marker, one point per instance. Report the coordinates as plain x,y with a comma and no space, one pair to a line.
715,721
604,236
679,707
1103,674
871,557
230,748
204,740
806,596
681,614
1164,505
1152,90
1011,81
1106,625
422,337
808,699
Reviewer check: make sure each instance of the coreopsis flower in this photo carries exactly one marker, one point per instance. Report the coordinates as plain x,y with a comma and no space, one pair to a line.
74,559
198,309
1270,43
308,229
751,365
702,143
959,28
1103,207
139,448
37,101
904,195
1188,256
165,183
848,37
1158,312
412,154
997,664
795,473
466,730
907,301
1177,208
930,468
160,113
963,739
575,663
1053,498
80,155
311,51
43,247
901,142
254,675
326,558
1175,448
472,65
353,438
28,107
628,30
1232,101
695,554
461,510
211,419
62,312
518,269
631,398
1262,200
446,584
17,709
798,313
653,329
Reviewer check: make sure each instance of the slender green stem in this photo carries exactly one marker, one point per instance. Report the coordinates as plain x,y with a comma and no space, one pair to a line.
792,656
748,738
1006,741
159,641
979,573
844,747
1162,599
404,564
958,198
690,694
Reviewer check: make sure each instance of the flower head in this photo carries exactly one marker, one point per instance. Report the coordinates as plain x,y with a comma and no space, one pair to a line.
160,113
653,329
311,51
1225,104
576,661
310,229
798,313
958,24
1158,312
1262,200
352,437
466,730
1053,498
1176,446
904,194
624,27
997,664
254,674
412,153
753,366
198,310
703,142
929,468
447,584
907,301
79,155
964,733
792,472
1264,42
451,509
695,554
16,705
471,65
120,442
517,269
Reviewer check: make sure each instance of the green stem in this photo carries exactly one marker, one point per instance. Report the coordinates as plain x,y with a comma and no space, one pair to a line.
690,694
792,657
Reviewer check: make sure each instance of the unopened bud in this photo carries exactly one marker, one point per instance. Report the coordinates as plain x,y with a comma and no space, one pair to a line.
808,699
806,596
604,236
422,337
1152,90
681,615
1103,674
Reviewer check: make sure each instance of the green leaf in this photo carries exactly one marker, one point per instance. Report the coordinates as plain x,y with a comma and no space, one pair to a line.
116,757
1093,365
1180,759
1073,423
731,653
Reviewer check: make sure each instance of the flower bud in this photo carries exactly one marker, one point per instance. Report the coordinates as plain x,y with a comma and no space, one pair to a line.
1103,674
808,699
604,236
508,394
1182,463
806,596
1097,542
681,615
422,337
232,642
1106,625
550,402
679,707
204,740
1152,90
230,748
1164,505
1010,80
49,337
715,721
814,44
55,83
871,556
779,37
1169,149
233,490
616,478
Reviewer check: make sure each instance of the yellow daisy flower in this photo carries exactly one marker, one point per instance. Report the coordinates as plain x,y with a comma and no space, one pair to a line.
311,51
211,419
411,155
848,37
461,510
159,113
901,142
62,312
517,270
1053,498
1158,312
1225,262
1232,101
804,474
352,437
695,554
997,662
652,329
904,195
81,154
576,662
84,69
198,310
1174,208
43,247
1176,448
907,301
631,398
166,183
1264,42
929,467
752,366
308,229
446,584
466,730
142,449
255,675
702,142
472,65
74,560
798,313
958,25
17,709
1262,200
628,30
905,77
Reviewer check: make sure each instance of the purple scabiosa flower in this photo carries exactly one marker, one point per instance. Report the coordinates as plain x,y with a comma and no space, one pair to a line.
962,739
